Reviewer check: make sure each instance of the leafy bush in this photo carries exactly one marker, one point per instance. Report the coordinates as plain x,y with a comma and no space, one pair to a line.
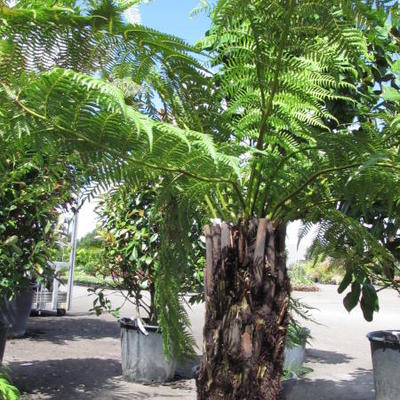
299,275
33,190
308,272
88,260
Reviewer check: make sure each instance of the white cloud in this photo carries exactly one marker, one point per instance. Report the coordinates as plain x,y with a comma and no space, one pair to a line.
132,15
297,253
87,219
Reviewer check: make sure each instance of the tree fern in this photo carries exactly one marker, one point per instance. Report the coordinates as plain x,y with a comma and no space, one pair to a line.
261,137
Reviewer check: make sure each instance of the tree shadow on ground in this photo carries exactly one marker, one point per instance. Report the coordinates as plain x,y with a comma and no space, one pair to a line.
87,378
357,385
58,330
326,357
65,379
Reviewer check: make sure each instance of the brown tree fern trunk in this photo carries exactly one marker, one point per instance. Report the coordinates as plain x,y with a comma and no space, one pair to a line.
247,298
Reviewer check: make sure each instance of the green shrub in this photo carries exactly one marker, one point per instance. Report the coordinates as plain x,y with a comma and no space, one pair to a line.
88,260
308,272
299,275
34,188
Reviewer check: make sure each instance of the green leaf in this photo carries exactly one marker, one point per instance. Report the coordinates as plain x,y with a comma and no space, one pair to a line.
382,32
47,227
153,237
346,281
351,299
134,254
369,301
390,94
368,312
12,240
396,67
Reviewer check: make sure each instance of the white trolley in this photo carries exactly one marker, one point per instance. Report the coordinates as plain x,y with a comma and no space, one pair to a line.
50,297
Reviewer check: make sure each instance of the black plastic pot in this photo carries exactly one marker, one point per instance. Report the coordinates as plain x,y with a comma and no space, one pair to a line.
16,312
3,339
385,351
287,386
142,353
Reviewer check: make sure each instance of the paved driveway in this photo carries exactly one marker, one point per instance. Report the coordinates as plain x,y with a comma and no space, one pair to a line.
78,356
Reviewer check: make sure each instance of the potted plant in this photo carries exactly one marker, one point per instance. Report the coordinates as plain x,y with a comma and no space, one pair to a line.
33,187
297,335
135,228
3,338
296,340
385,351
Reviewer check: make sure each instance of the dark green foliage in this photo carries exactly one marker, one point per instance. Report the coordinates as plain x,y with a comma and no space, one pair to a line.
364,233
351,299
348,277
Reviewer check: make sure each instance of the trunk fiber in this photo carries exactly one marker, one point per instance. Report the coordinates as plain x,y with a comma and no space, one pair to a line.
247,297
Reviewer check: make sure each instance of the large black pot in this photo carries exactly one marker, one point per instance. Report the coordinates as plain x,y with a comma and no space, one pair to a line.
385,351
16,312
3,338
287,386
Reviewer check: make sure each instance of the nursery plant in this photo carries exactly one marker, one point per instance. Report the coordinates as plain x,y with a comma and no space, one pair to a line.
132,227
255,141
34,188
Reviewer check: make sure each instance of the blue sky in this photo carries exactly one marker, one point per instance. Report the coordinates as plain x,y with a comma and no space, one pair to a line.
172,16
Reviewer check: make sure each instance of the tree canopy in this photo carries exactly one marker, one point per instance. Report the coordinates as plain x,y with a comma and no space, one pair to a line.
257,137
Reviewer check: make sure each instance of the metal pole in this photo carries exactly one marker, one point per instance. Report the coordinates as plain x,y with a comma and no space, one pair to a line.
72,261
55,288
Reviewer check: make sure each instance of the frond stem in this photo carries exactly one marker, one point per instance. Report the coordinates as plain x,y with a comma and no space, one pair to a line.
309,180
256,169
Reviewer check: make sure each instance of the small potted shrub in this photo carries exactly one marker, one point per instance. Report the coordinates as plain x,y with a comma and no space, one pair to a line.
151,273
297,336
296,340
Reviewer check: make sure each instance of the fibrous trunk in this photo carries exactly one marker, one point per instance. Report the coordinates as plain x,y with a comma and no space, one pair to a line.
247,298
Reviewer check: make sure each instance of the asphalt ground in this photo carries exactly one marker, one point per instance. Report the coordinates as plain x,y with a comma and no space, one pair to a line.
77,356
